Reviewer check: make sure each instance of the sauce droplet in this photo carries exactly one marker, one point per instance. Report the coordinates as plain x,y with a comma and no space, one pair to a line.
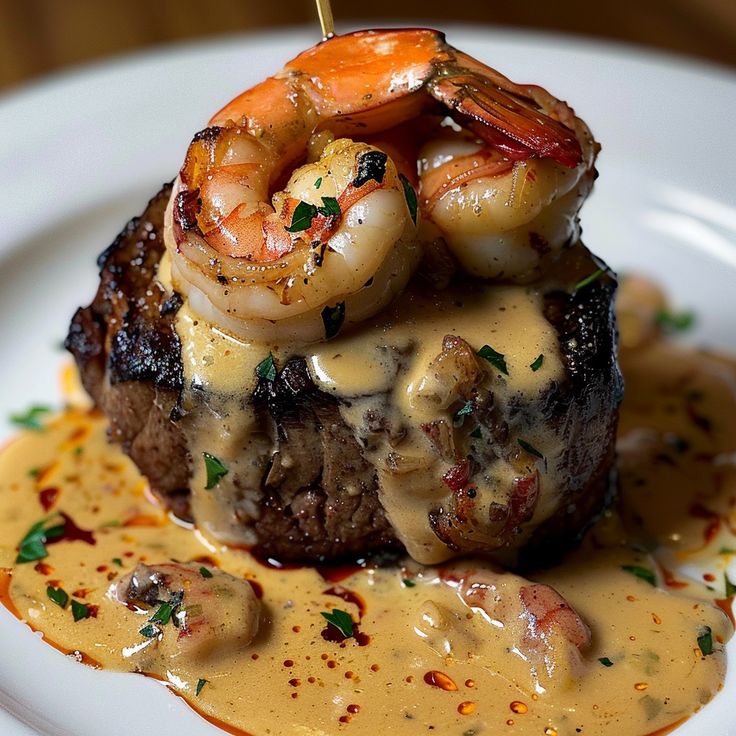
518,707
641,686
440,680
466,708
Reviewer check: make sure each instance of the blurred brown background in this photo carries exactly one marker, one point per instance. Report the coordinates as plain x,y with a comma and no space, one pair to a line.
39,36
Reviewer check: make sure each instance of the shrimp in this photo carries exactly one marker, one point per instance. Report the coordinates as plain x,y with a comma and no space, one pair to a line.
548,632
189,613
501,185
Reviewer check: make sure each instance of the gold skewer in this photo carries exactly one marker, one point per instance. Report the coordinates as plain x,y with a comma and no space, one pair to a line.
325,18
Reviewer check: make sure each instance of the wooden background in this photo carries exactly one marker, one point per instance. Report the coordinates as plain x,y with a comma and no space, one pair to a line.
39,36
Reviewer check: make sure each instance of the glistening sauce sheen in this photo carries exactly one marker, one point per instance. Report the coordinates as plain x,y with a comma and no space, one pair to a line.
421,661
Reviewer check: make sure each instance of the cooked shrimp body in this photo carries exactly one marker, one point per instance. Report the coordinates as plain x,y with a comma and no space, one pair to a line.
186,613
261,258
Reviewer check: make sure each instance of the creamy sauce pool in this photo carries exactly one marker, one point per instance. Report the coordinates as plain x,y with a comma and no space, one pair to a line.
421,660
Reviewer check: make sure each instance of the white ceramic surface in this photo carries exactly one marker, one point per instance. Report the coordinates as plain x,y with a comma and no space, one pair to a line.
82,152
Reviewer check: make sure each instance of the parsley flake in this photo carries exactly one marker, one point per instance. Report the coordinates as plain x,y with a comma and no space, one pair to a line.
58,596
674,321
330,207
605,661
705,641
730,587
33,546
302,218
150,631
31,419
589,279
332,319
727,551
641,572
538,361
79,611
216,471
318,182
267,369
530,448
464,411
117,561
476,434
341,620
408,583
496,359
411,197
205,573
200,684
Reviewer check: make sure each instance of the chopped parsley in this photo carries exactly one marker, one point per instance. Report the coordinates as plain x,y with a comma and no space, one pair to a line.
537,364
302,218
150,631
641,572
330,207
267,369
495,358
34,472
589,279
58,596
33,546
200,684
674,321
605,661
408,583
318,182
117,561
216,471
727,551
411,197
730,587
31,419
464,411
205,573
166,609
530,448
341,620
705,641
475,434
79,611
332,318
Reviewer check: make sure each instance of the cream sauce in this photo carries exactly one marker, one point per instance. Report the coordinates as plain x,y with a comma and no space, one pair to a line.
422,660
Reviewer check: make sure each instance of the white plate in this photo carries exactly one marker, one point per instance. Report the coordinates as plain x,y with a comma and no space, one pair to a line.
83,152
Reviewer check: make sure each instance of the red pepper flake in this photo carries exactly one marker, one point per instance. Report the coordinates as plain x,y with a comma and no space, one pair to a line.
353,708
296,629
294,696
375,668
288,663
439,679
48,497
44,568
349,675
101,568
709,577
344,719
332,664
311,680
254,656
295,682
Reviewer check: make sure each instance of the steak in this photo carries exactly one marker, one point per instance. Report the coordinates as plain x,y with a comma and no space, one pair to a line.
129,357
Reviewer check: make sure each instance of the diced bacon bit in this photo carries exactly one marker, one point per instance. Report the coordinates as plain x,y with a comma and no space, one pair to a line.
457,476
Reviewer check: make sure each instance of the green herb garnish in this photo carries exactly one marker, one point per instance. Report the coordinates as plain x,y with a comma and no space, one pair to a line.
332,318
495,358
216,471
31,419
705,641
205,573
730,587
475,434
58,596
408,582
267,369
79,611
150,631
605,661
200,684
117,561
464,410
341,620
537,364
33,546
727,551
674,321
302,218
318,182
589,279
530,448
641,572
330,207
411,197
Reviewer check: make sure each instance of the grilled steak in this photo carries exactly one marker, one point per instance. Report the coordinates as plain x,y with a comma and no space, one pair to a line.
319,492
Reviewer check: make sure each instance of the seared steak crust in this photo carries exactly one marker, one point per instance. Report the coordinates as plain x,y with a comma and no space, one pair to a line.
325,504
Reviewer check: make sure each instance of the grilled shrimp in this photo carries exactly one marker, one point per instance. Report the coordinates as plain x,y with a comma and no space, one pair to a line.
501,185
189,613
